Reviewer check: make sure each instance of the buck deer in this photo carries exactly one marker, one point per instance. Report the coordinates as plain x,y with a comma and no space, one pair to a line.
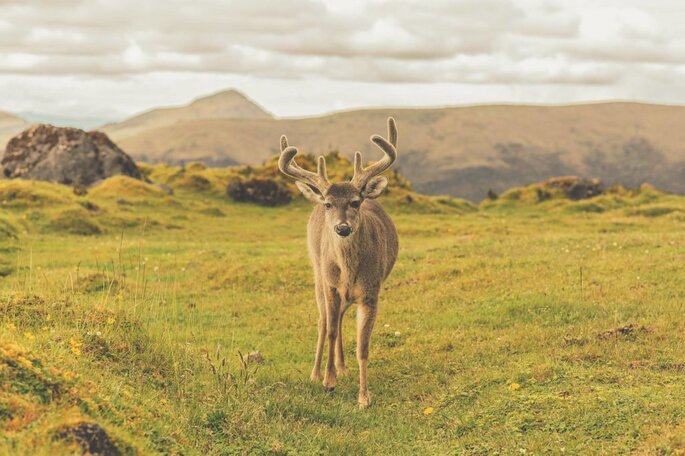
352,246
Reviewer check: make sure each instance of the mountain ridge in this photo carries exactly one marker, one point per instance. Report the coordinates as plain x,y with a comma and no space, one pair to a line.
461,151
223,104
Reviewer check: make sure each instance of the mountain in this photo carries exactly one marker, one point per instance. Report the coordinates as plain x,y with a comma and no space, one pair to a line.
228,104
10,125
462,151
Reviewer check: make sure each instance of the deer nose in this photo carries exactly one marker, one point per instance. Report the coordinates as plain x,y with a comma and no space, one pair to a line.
343,230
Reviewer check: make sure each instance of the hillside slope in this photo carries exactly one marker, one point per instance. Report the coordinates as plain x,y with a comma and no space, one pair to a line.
228,104
531,325
9,126
460,151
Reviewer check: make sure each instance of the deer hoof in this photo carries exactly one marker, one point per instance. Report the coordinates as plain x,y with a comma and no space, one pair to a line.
316,376
364,401
329,383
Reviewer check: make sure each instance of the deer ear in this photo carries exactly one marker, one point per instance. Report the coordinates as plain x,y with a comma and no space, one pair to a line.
309,192
374,187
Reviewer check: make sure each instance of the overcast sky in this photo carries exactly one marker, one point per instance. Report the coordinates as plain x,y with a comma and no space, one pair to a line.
97,60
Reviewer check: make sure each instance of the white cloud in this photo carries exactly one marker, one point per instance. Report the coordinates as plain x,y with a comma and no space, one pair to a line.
508,50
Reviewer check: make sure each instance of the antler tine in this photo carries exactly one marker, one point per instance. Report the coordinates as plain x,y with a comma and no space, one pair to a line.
362,175
392,132
358,163
288,166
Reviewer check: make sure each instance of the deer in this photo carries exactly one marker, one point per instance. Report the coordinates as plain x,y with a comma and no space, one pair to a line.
353,245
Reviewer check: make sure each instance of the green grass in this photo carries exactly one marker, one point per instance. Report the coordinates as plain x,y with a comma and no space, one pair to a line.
502,330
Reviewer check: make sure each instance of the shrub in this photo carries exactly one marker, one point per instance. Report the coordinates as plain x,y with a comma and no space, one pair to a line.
261,191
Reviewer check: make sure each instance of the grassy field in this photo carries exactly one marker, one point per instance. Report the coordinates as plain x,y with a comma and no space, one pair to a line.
520,327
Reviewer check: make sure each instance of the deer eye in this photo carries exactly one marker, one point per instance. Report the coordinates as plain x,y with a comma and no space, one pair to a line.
355,204
328,205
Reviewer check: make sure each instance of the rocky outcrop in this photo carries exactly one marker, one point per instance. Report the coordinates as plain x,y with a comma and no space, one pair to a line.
65,155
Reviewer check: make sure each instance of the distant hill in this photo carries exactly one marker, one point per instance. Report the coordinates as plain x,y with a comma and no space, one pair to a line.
463,151
229,104
10,125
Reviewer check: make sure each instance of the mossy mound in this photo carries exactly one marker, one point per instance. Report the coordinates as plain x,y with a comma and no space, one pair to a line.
23,194
77,222
123,187
98,283
403,200
551,196
196,177
33,397
8,231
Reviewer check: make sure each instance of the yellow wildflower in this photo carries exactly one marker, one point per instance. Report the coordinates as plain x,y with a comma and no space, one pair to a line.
10,326
110,321
29,335
428,411
75,346
514,387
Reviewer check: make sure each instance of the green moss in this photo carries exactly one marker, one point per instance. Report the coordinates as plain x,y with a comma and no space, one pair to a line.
76,222
23,194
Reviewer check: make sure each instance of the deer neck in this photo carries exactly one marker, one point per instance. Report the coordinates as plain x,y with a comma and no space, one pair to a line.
348,252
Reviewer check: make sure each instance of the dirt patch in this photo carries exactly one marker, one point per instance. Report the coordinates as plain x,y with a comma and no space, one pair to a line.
628,331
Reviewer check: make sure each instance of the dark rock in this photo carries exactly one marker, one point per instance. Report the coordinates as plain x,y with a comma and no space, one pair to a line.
266,192
92,439
577,188
65,155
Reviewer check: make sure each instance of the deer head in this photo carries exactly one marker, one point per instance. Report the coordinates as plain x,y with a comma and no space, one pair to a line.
342,201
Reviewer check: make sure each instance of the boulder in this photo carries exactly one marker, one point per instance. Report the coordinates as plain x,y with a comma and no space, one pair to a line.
577,188
65,155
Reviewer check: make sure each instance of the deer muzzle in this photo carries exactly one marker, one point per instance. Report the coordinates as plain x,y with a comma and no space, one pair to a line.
343,230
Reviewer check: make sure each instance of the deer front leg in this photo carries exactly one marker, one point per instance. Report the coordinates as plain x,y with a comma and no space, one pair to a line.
321,304
366,316
340,368
332,320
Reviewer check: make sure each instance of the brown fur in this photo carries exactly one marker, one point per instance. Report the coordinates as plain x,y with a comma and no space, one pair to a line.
349,269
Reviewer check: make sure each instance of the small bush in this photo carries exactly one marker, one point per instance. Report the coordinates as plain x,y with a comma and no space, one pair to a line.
260,191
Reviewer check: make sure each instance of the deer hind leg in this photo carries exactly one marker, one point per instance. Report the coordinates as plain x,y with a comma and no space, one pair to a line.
366,316
321,304
333,308
340,368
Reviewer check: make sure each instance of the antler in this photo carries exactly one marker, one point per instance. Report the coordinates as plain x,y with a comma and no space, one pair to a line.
362,175
288,167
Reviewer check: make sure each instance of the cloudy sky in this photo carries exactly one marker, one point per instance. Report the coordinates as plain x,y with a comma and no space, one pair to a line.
98,60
